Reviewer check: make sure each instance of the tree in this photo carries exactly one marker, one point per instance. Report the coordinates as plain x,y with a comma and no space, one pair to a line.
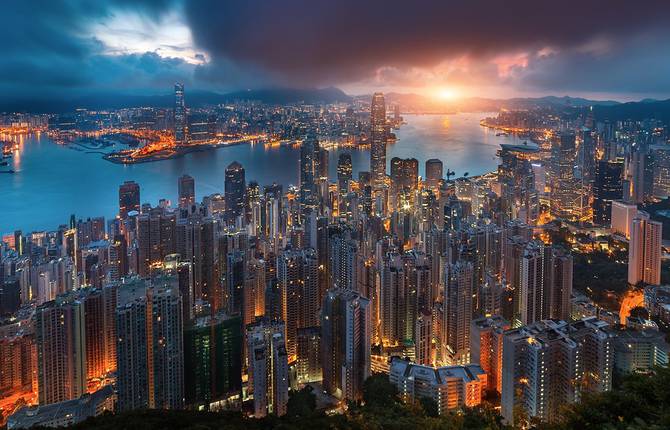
301,403
379,392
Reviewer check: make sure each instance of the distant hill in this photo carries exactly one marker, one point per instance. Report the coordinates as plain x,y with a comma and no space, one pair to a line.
657,109
193,98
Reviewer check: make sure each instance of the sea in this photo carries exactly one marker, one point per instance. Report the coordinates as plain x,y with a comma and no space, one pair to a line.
51,181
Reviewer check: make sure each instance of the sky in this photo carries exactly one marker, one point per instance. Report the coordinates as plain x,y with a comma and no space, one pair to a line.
600,49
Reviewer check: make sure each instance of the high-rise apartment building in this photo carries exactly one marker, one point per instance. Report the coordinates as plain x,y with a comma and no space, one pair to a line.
622,217
551,363
150,354
129,198
644,250
458,310
268,367
345,343
450,387
486,348
60,334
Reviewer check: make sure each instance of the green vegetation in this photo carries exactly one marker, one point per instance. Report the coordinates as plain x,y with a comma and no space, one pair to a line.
639,402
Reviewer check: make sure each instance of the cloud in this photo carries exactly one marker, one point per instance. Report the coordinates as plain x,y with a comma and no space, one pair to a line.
341,41
49,50
73,47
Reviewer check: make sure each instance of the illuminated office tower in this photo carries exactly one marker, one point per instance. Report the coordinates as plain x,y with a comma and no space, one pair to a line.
549,364
587,155
268,367
644,250
150,355
450,387
186,186
234,191
344,172
404,173
201,127
622,217
309,171
212,361
434,173
636,172
322,165
564,186
661,172
458,308
607,188
486,348
129,198
345,343
519,195
60,334
378,139
180,127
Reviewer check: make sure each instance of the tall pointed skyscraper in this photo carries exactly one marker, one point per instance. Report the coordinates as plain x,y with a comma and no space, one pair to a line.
179,114
378,139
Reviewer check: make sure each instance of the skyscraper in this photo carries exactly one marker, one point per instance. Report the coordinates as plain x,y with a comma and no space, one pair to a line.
404,174
268,367
186,186
564,186
180,127
309,170
550,363
346,339
129,198
61,349
213,360
458,311
434,172
644,250
607,188
234,191
150,355
378,139
344,172
486,348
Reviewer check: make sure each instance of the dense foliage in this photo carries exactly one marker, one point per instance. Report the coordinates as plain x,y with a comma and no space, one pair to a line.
638,402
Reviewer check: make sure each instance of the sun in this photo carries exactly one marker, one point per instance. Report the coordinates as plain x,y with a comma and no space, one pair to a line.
446,93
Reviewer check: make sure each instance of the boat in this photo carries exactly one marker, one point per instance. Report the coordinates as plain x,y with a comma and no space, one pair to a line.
3,163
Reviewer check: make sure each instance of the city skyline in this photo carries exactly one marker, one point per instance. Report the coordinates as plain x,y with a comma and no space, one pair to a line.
435,251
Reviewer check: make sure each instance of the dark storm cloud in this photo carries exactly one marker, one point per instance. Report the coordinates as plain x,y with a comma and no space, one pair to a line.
47,50
324,42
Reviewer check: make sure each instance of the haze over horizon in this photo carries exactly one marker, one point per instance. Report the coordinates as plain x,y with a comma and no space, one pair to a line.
447,50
